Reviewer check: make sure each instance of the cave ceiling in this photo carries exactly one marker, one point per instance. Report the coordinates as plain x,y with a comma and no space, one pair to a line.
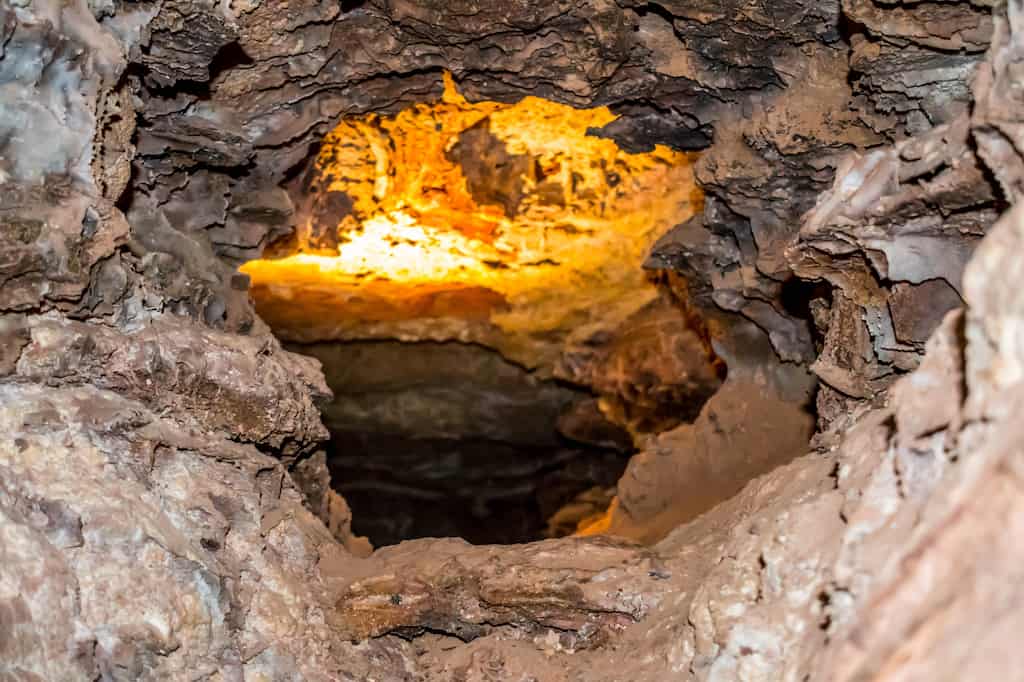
505,224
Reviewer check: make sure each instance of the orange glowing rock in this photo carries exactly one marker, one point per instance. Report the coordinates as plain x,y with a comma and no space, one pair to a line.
516,199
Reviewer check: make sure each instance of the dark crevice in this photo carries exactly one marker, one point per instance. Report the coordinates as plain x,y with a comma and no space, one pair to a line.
124,202
849,28
450,440
230,56
796,296
463,634
351,5
1001,201
657,10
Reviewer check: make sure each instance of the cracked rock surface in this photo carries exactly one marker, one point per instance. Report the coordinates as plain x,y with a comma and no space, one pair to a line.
165,504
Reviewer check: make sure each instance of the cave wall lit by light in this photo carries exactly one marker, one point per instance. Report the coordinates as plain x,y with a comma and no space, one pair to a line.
508,216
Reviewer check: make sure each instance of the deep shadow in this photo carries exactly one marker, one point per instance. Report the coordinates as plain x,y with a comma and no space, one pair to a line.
447,439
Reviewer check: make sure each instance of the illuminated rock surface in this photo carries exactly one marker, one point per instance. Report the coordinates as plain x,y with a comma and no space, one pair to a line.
497,223
504,225
166,509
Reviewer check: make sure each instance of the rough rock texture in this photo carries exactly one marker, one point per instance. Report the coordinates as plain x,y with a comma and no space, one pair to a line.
164,530
654,373
243,385
210,152
893,237
275,82
755,422
858,561
134,547
396,236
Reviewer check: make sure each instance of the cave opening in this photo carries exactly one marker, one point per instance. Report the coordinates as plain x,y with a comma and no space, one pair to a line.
437,439
470,276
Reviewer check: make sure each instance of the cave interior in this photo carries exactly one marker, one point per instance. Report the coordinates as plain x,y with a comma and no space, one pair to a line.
475,340
444,259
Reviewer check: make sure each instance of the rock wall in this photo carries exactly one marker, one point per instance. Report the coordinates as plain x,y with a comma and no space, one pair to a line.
163,508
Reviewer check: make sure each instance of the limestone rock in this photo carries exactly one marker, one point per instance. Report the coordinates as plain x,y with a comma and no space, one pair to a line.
136,547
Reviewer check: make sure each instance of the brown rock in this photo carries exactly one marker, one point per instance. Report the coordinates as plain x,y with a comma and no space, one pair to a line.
150,527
